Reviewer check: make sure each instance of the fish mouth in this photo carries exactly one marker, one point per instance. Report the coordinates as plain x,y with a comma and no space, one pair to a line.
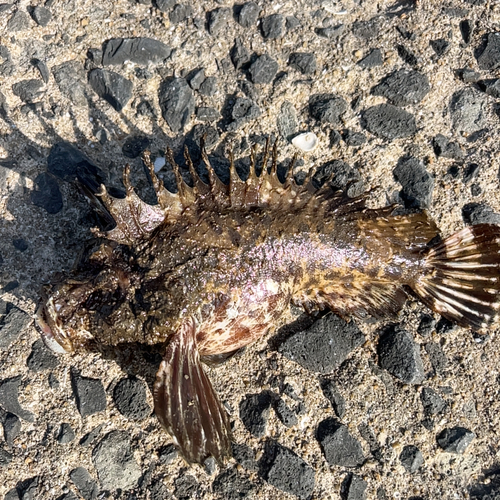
46,319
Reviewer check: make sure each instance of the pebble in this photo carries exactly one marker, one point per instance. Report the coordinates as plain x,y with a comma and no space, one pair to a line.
42,68
112,87
291,23
399,354
469,75
6,459
70,78
240,55
468,109
41,15
353,488
115,463
89,394
12,325
209,86
9,398
7,66
139,50
333,395
403,87
479,213
86,485
366,30
66,434
207,114
11,427
177,103
263,69
389,122
343,177
406,55
186,487
455,439
432,402
273,26
325,345
243,111
232,485
440,46
284,413
489,59
196,78
411,458
254,412
164,5
90,437
437,357
158,491
180,12
285,470
248,14
167,454
19,21
339,446
53,382
305,62
416,182
491,87
66,161
327,108
28,90
444,147
202,130
244,455
129,396
41,358
331,32
68,496
373,59
466,29
354,139
134,146
218,20
287,121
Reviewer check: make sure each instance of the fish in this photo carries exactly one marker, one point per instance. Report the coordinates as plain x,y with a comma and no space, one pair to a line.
215,266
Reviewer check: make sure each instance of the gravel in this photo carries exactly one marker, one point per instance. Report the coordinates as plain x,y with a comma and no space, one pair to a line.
112,87
177,103
263,69
416,181
41,358
254,412
89,394
403,87
389,122
328,108
129,396
136,50
455,439
411,458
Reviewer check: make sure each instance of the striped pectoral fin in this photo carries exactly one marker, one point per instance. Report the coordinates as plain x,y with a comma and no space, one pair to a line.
461,279
187,405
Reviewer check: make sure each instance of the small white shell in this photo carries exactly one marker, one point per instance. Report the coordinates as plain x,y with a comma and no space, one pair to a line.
159,163
306,141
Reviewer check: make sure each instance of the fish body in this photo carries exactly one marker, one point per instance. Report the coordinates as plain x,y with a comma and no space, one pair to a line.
214,267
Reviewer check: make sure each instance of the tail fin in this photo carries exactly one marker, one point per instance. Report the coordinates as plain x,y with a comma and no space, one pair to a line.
187,405
461,280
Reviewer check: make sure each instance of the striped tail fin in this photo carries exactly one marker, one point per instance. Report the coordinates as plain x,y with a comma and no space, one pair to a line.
461,279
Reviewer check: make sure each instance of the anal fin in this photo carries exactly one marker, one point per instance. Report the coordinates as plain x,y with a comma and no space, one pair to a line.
187,405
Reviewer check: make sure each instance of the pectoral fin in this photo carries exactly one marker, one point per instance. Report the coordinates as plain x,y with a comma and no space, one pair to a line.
186,403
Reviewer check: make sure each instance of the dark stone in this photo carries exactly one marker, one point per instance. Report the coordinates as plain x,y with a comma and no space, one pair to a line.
218,20
489,59
231,485
373,59
445,326
115,463
112,87
240,55
244,455
42,68
338,445
89,394
440,46
130,396
5,459
354,139
432,402
403,87
491,87
86,485
400,355
11,428
244,110
469,110
437,357
19,21
68,496
327,108
134,146
273,26
20,244
14,323
411,458
333,395
284,470
144,108
176,103
180,13
158,491
198,132
367,30
67,162
249,14
455,439
389,122
469,75
41,15
7,67
94,56
447,149
164,5
291,23
331,32
284,413
254,412
305,62
28,90
325,345
70,78
90,437
167,454
137,50
66,434
417,183
196,78
475,189
53,382
479,213
408,57
466,29
41,358
9,398
353,488
263,69
287,121
335,138
209,86
427,325
186,487
207,114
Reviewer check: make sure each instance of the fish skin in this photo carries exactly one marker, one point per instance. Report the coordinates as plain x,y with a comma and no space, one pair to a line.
213,268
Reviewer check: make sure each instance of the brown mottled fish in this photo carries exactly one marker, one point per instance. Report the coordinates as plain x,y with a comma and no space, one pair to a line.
214,267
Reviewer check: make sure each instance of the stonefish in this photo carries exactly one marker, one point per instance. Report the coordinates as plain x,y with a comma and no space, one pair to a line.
214,267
